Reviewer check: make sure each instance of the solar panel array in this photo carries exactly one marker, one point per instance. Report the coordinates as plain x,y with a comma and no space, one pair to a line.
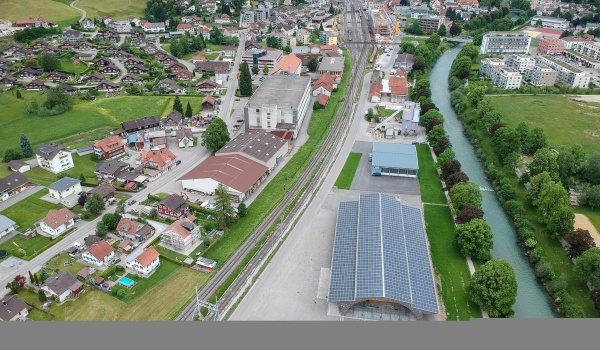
380,251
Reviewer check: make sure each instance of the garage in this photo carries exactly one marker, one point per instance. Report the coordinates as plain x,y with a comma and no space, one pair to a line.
394,160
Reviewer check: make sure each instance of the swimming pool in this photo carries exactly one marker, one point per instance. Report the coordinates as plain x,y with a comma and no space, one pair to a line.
127,282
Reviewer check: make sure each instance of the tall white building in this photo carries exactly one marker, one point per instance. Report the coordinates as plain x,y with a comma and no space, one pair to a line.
505,43
507,78
521,63
551,22
53,158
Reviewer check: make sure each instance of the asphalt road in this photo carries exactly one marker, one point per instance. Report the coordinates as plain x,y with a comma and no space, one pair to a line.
83,13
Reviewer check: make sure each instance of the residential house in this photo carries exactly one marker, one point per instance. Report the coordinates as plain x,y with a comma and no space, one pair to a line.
398,89
22,53
146,263
35,85
87,24
105,190
110,70
375,92
176,67
173,206
30,73
8,80
132,79
289,65
137,33
185,27
185,138
18,166
93,79
32,23
109,35
6,225
132,61
169,86
122,55
72,35
131,229
66,46
109,168
198,58
108,86
405,61
109,147
66,190
172,121
168,61
102,62
57,76
157,162
181,234
322,100
62,285
125,246
207,86
85,46
57,222
324,85
151,49
13,308
228,50
78,57
212,66
158,27
98,254
71,90
138,69
5,71
120,26
140,124
13,184
183,75
53,158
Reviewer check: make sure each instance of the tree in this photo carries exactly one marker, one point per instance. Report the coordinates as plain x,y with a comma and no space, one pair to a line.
455,29
591,170
536,184
11,154
216,135
153,213
95,204
468,213
494,287
265,69
461,68
477,39
43,275
414,28
441,145
48,62
42,296
495,128
316,105
431,124
587,267
442,30
101,229
591,197
312,65
287,49
272,42
476,95
465,193
245,80
490,118
216,36
567,166
554,209
435,134
177,104
544,161
456,178
447,155
225,9
120,208
523,131
506,141
16,284
31,279
223,209
474,239
434,40
111,220
579,241
57,102
188,111
18,94
242,210
430,114
535,140
450,167
331,9
25,146
32,62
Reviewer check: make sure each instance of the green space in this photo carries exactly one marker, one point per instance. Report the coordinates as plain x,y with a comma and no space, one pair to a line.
83,165
142,285
564,122
169,253
344,180
29,210
171,295
63,262
450,267
534,42
429,180
67,65
14,10
116,9
32,246
384,112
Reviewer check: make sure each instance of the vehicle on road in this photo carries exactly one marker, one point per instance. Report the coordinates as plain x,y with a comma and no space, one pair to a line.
177,162
115,261
237,99
131,202
370,157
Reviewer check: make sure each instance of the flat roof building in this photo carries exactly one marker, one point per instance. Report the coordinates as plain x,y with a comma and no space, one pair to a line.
394,160
541,76
520,62
551,22
261,147
504,43
507,78
550,46
568,75
279,103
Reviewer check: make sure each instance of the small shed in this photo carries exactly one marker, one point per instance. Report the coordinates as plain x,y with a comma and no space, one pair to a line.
84,274
206,264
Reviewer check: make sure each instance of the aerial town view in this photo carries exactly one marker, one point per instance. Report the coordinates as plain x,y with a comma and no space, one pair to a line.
309,160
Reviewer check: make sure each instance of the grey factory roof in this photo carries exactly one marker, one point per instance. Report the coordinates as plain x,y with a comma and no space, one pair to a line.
332,64
399,156
381,253
64,184
258,145
281,90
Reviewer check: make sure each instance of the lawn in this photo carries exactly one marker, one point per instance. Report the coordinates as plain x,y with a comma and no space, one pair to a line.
67,65
142,285
32,246
14,10
116,9
29,210
344,181
564,122
450,267
162,303
82,124
58,263
213,47
429,180
169,253
83,165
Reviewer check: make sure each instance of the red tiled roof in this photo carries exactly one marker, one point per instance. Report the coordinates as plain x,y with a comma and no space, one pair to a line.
110,143
210,99
55,218
375,89
128,226
398,86
100,249
178,229
148,256
323,99
159,157
235,171
289,63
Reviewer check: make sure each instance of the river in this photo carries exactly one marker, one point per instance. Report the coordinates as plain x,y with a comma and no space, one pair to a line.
532,299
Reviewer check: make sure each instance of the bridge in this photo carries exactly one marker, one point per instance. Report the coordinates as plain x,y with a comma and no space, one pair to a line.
459,39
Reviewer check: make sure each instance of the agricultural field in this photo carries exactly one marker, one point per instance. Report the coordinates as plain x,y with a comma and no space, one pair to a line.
116,9
14,10
564,122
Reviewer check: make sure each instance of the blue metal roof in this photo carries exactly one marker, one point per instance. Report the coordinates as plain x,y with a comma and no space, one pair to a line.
392,155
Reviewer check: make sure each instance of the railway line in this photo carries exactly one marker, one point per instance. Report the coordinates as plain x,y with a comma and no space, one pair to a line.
303,189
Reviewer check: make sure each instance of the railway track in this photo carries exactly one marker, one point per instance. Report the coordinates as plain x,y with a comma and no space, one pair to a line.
308,182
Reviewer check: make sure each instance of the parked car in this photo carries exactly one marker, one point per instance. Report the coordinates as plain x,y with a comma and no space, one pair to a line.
131,202
237,99
370,157
177,162
115,261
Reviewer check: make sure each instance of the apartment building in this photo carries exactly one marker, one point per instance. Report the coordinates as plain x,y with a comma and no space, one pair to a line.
431,23
540,75
488,65
260,58
550,46
521,63
568,75
507,78
505,43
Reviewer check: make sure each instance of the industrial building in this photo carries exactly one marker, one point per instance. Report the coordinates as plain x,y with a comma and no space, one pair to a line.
261,147
394,160
505,43
279,103
381,256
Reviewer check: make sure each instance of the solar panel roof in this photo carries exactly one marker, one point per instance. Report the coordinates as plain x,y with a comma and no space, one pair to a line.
380,251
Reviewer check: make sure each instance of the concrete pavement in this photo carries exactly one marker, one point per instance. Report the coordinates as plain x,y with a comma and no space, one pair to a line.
83,13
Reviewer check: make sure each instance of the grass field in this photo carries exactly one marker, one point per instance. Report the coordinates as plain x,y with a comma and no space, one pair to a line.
142,285
431,187
564,122
116,9
449,265
80,125
29,210
14,10
83,165
344,181
58,263
67,65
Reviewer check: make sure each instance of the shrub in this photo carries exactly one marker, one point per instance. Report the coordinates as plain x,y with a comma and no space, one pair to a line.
573,310
121,293
558,284
514,208
544,270
536,255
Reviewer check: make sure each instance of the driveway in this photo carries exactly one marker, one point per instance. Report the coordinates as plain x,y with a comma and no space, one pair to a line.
121,67
19,196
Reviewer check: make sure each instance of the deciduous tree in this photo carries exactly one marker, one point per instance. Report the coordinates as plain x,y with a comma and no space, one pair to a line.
494,287
591,197
216,135
429,115
468,213
312,65
450,167
475,239
111,220
101,229
95,203
465,193
506,141
587,267
456,178
554,210
447,155
579,241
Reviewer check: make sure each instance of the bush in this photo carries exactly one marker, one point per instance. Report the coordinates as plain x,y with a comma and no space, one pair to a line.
514,208
544,270
536,255
558,284
109,271
121,293
572,310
